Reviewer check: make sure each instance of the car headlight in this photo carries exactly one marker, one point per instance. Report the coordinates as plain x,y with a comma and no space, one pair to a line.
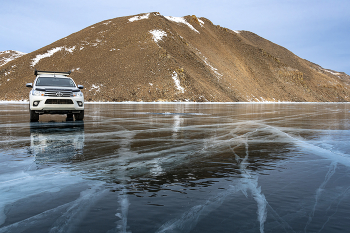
38,93
79,94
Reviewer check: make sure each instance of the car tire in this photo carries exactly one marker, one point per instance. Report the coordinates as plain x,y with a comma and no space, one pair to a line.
69,117
34,117
79,116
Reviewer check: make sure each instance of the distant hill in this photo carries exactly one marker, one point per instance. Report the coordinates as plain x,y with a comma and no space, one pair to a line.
9,55
150,57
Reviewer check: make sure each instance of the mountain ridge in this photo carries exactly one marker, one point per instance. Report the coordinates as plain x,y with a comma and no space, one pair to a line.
150,57
9,55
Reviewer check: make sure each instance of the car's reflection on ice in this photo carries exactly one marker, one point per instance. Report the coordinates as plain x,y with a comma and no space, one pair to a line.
52,142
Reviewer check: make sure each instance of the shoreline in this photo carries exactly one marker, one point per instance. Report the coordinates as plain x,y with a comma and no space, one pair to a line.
135,102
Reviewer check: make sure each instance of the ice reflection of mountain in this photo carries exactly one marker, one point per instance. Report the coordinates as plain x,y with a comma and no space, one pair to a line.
57,142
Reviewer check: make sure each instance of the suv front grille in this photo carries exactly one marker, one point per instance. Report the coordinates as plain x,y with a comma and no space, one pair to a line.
58,101
58,93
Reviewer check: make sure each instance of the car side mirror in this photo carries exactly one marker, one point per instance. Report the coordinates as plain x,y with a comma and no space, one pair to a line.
80,86
29,85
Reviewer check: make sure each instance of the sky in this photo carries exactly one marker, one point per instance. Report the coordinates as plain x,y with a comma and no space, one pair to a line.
316,30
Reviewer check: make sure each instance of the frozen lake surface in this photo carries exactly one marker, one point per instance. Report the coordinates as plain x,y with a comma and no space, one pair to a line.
177,168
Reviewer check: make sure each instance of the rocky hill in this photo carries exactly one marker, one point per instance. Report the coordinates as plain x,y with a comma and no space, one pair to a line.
150,57
9,55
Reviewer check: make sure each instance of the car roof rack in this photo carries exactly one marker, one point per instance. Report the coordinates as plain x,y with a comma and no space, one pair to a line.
38,72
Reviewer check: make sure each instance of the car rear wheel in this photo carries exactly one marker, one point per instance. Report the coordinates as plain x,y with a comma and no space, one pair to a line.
79,116
34,117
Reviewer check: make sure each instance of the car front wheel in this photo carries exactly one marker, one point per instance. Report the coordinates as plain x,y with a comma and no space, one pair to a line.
34,117
79,116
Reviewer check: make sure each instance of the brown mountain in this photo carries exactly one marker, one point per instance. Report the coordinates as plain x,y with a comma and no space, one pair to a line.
150,57
9,55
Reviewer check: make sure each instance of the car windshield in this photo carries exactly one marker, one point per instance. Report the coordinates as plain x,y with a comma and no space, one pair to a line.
51,81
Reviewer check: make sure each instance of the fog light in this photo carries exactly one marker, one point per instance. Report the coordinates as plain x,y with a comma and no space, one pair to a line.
80,103
36,103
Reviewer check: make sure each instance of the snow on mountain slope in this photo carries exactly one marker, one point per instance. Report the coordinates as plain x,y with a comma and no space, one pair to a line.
9,55
151,57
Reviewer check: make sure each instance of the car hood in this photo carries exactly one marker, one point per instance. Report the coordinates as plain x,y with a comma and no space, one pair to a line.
46,88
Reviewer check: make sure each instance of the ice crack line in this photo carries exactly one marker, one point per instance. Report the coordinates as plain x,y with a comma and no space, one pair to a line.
334,156
251,184
344,194
188,220
329,174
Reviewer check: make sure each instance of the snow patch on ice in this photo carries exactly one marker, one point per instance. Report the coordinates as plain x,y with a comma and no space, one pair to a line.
177,82
136,18
254,99
24,101
157,34
181,20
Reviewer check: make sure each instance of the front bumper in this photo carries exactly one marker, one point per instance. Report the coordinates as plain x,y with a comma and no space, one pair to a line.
52,105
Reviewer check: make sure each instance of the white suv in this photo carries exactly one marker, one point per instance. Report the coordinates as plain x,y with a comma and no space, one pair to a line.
55,93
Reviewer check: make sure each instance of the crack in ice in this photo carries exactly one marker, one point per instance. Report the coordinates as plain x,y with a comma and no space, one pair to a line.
329,174
190,218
